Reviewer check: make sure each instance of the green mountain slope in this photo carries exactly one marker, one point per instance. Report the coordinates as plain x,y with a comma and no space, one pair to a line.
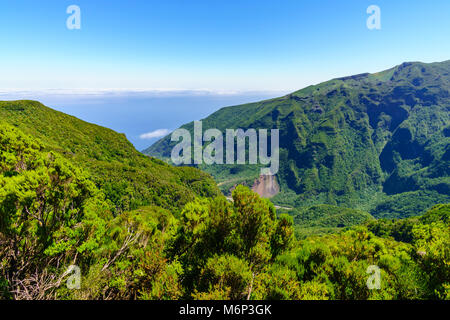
53,219
323,219
376,142
128,178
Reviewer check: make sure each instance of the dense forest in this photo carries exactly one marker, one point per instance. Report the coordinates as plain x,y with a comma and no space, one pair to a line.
74,194
378,143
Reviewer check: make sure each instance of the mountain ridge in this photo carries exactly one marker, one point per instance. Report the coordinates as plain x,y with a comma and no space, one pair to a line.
364,141
128,178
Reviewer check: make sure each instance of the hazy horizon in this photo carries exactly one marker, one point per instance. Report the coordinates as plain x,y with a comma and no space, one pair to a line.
141,114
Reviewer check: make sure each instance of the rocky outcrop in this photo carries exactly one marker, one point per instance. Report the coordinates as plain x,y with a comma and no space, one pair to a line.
266,186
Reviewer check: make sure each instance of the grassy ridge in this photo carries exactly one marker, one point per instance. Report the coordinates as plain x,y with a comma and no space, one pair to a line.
128,178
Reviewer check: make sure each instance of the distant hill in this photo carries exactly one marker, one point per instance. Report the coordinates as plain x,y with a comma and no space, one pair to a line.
128,178
375,142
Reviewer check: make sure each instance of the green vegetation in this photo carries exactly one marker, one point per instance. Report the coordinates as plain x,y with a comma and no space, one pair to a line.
127,178
323,219
379,143
76,194
53,214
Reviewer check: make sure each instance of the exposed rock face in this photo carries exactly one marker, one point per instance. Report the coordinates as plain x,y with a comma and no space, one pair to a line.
266,186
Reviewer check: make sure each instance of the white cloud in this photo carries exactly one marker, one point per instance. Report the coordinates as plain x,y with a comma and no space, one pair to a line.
155,134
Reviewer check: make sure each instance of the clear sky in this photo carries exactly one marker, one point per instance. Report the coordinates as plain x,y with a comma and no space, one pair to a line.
226,45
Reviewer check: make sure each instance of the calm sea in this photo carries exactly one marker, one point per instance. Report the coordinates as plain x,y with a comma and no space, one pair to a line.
138,113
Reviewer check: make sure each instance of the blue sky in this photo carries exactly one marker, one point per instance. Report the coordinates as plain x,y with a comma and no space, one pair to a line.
215,45
147,67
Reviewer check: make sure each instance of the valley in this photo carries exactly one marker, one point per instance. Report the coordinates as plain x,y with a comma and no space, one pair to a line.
373,142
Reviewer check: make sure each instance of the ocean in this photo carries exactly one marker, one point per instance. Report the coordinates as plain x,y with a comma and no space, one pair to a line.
137,113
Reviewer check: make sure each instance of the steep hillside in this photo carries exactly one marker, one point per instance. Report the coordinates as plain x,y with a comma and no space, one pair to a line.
323,219
128,178
377,142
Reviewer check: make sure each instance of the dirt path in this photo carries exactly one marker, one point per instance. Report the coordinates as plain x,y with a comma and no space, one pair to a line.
276,207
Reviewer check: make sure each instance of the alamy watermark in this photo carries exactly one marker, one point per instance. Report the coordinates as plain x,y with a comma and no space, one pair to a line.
374,20
74,281
374,280
213,152
73,22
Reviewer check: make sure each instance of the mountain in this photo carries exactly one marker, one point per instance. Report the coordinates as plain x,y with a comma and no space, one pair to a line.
57,234
67,193
128,178
374,142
